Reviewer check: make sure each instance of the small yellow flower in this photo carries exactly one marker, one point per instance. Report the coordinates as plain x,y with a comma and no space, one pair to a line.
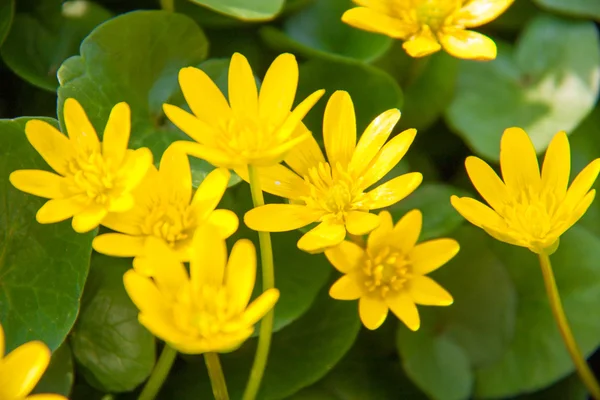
390,273
21,370
334,193
426,26
207,310
164,209
92,178
251,129
528,210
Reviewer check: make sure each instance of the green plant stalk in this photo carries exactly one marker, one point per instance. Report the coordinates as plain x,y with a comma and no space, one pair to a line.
586,375
159,374
167,5
217,379
268,282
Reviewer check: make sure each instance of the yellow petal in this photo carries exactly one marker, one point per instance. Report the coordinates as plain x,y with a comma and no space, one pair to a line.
582,183
381,235
80,130
373,312
207,266
120,204
339,129
2,342
372,20
39,183
390,155
278,180
163,329
479,12
518,161
241,275
345,288
278,153
405,309
54,147
468,45
296,116
259,307
477,213
360,223
212,155
304,155
46,396
224,221
243,96
161,263
429,256
202,95
134,168
22,368
144,294
278,89
116,133
176,175
372,140
487,183
383,6
394,190
426,291
557,166
280,217
89,219
198,130
57,210
422,44
210,192
328,233
118,245
406,233
578,212
345,257
125,222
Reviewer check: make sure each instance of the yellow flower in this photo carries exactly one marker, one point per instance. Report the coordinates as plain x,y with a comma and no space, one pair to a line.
21,370
334,193
528,210
426,26
92,178
390,273
164,209
208,310
251,129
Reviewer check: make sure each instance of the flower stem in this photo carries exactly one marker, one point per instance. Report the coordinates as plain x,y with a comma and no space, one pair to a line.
217,379
159,374
167,5
586,375
268,282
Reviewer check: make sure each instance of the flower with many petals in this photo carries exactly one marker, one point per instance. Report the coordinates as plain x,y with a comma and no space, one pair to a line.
207,310
335,193
253,128
92,178
164,209
389,274
426,26
21,369
528,209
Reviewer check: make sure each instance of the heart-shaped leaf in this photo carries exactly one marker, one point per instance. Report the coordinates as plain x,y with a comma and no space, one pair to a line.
7,11
256,10
60,374
574,8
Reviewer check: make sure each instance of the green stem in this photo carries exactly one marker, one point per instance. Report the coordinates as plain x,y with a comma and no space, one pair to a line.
159,374
268,282
586,375
217,379
167,5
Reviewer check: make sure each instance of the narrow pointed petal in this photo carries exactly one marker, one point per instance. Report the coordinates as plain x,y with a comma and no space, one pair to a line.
576,213
480,12
405,309
422,44
163,329
135,166
487,182
224,221
210,154
259,307
381,235
477,213
241,274
79,128
161,263
89,219
304,155
278,180
144,293
375,21
176,175
46,396
429,256
583,182
278,89
468,45
556,169
394,190
210,192
207,266
280,217
243,95
296,116
118,245
202,95
328,233
518,161
57,210
345,257
39,183
406,233
22,368
54,147
339,129
345,288
116,133
278,153
427,292
360,223
2,342
373,312
128,222
195,128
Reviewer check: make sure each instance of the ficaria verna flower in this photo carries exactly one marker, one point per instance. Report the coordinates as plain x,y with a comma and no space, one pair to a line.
334,193
389,274
207,310
164,209
253,128
21,369
92,178
528,209
426,26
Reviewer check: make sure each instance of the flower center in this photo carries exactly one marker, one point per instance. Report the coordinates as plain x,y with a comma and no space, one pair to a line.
386,271
435,12
93,175
247,137
171,222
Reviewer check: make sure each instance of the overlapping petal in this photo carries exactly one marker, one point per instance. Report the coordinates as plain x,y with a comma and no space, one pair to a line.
468,45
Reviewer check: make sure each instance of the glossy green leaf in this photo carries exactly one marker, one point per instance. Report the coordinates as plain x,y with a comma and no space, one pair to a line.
256,10
573,8
42,267
36,46
7,11
570,388
112,350
60,374
547,83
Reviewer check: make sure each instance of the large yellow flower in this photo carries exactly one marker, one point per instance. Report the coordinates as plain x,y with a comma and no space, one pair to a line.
164,209
390,273
92,178
335,193
21,370
528,209
207,310
253,128
426,26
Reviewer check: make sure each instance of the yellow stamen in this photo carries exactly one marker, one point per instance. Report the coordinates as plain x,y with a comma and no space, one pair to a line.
386,271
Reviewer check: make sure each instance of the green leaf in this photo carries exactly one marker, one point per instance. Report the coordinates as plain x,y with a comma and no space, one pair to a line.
7,11
573,8
318,31
36,45
547,83
516,17
300,355
113,351
570,388
60,374
42,267
256,10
